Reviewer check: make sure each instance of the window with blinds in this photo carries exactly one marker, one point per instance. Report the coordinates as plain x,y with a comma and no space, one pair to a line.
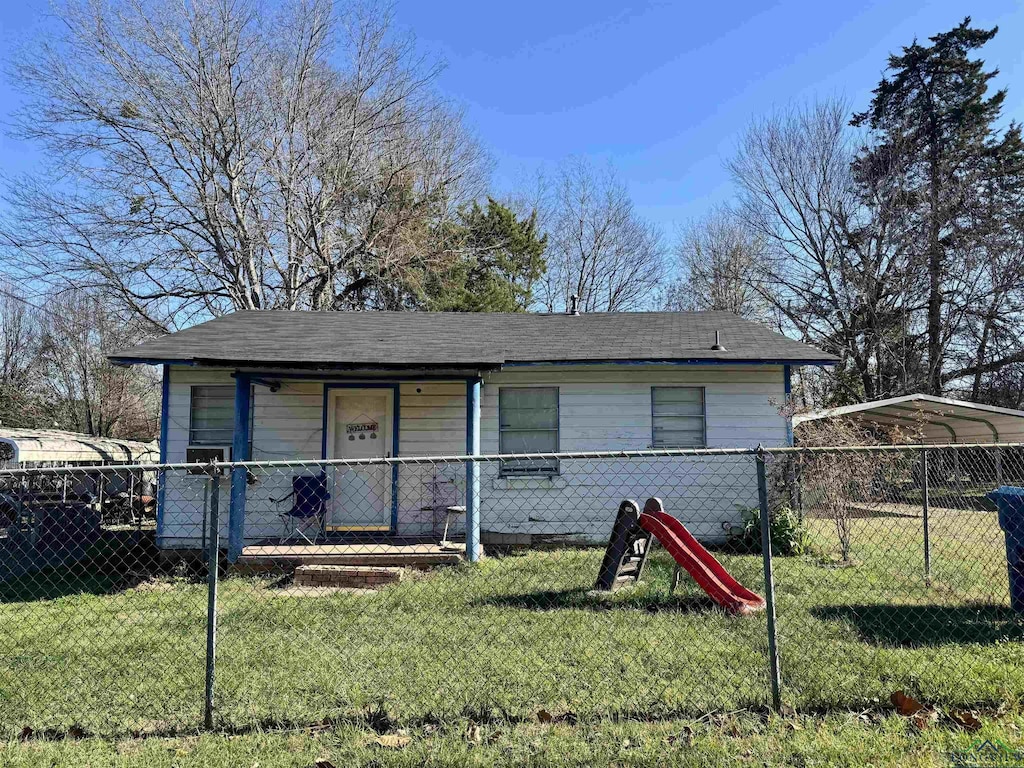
528,423
212,415
677,417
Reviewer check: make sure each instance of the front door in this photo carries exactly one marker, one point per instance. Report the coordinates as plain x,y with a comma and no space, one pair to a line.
359,426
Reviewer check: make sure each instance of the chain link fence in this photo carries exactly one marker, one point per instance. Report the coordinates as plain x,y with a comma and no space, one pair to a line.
271,594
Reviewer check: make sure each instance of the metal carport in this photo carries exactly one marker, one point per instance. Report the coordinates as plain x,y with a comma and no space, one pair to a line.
939,420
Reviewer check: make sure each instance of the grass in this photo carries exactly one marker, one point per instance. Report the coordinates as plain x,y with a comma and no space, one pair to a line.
742,738
497,642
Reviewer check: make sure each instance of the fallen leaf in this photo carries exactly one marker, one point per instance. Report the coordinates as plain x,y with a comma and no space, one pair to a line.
685,736
393,740
26,733
920,721
965,719
544,716
473,733
905,705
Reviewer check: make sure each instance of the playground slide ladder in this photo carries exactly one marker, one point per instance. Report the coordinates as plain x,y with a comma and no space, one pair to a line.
627,551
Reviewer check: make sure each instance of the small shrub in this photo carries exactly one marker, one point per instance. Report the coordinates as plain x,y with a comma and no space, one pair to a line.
788,533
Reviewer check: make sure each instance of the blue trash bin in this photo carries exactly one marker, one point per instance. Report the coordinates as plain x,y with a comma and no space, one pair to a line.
1010,503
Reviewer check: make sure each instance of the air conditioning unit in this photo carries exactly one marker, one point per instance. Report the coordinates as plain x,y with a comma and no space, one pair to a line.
205,454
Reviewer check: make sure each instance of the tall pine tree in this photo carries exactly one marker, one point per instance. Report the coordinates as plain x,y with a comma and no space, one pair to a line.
934,127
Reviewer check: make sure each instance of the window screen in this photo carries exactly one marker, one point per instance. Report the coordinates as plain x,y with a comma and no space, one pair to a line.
528,423
212,415
677,417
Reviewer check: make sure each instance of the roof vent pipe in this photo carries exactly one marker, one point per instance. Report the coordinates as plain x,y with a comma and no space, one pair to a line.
717,347
574,304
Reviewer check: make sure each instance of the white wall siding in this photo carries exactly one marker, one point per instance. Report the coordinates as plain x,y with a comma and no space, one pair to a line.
608,409
186,500
432,422
599,409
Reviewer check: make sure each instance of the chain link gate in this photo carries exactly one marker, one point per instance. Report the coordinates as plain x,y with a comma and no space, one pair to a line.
343,589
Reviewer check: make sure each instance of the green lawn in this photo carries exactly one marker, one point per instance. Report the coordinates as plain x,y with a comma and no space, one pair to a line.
732,739
497,642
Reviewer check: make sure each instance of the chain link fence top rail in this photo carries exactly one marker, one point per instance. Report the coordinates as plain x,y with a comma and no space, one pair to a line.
349,594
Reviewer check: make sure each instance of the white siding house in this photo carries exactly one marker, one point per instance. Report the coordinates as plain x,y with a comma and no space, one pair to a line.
610,386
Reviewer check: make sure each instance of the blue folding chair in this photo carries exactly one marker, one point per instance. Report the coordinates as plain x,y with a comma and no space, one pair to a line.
309,510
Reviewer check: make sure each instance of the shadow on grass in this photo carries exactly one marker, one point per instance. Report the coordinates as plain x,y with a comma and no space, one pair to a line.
54,583
579,598
922,626
966,500
117,562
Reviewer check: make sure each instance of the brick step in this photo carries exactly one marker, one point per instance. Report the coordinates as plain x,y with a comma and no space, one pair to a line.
350,576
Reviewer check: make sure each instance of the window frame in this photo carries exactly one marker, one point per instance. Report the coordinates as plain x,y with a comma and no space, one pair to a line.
703,416
191,399
504,469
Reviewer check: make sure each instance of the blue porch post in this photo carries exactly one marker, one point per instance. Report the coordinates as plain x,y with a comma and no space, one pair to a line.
473,549
239,452
787,385
161,488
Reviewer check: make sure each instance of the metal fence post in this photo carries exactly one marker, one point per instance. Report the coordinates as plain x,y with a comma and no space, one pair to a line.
212,568
924,509
769,584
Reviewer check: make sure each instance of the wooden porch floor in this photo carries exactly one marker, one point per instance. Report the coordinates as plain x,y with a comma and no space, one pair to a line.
393,551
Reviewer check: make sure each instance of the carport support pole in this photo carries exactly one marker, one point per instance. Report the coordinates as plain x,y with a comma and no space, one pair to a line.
924,509
769,584
212,567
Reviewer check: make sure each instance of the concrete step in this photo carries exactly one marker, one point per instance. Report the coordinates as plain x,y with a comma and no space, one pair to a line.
349,576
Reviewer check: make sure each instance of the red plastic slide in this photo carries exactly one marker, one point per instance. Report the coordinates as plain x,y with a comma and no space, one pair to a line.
698,562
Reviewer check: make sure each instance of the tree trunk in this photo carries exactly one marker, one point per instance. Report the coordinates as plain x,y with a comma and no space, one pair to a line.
934,383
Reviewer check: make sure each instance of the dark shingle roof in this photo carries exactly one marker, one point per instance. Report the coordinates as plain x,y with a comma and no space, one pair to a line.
431,339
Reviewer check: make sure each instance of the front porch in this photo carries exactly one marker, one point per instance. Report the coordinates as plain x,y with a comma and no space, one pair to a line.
438,413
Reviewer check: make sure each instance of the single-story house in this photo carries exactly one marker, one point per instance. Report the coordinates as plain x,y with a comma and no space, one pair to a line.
308,386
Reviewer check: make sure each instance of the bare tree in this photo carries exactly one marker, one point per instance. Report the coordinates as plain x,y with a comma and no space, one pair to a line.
19,368
600,250
834,270
719,262
83,391
213,156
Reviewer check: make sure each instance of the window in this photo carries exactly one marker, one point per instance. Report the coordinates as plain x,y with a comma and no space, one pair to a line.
528,423
212,415
677,417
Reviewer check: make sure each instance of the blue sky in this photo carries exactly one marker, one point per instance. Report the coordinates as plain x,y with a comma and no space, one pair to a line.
662,90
